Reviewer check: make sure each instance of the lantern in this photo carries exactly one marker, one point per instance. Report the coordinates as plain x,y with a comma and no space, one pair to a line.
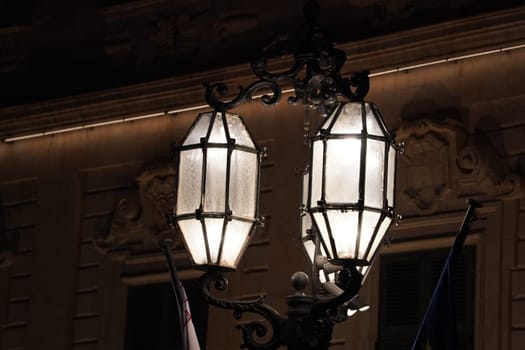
351,182
217,189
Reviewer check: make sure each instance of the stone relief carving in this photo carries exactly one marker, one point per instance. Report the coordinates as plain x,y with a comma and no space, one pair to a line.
442,165
144,220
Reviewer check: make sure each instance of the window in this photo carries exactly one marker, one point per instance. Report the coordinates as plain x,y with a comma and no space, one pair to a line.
407,281
151,322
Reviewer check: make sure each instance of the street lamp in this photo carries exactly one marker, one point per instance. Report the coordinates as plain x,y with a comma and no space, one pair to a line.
348,199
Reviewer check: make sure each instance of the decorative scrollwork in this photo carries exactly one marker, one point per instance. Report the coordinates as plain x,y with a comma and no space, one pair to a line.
321,84
251,331
328,309
244,95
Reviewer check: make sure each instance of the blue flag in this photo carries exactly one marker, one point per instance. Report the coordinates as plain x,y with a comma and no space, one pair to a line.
438,331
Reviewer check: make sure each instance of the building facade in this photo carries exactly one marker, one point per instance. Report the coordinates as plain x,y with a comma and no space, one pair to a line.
82,210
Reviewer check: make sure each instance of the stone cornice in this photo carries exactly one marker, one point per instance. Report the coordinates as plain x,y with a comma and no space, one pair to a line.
454,38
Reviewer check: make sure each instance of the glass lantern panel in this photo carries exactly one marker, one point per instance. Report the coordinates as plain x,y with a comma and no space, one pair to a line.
364,271
391,176
344,232
368,226
218,134
214,234
215,192
309,246
317,173
238,131
306,220
304,198
350,120
243,183
198,130
323,230
372,121
379,237
375,164
190,181
306,225
328,121
235,239
343,160
193,236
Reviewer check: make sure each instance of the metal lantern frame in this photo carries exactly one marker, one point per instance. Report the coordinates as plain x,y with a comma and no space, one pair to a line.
321,208
317,84
201,214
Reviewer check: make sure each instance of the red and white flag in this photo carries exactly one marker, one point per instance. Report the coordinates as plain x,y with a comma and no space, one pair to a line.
192,343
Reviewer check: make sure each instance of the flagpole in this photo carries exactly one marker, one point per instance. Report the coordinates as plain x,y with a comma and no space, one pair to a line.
443,282
166,245
470,216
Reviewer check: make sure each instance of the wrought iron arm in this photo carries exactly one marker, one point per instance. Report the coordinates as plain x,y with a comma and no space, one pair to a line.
244,95
313,53
253,330
326,312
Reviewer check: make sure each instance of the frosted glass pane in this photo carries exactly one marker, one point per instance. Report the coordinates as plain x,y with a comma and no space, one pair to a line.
321,225
199,129
349,121
304,198
306,224
216,180
379,237
375,163
243,183
317,173
214,232
238,131
372,124
235,240
344,232
368,226
364,270
193,236
342,170
218,134
328,121
190,181
391,176
309,246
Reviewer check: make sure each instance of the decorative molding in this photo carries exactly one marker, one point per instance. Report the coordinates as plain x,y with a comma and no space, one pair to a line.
442,166
143,222
453,38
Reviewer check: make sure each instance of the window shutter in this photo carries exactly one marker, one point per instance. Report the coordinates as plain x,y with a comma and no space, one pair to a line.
407,281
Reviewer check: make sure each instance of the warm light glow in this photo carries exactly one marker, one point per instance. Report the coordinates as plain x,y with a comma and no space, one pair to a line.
218,183
352,177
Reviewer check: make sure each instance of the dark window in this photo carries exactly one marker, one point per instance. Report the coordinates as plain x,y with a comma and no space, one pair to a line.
406,284
151,322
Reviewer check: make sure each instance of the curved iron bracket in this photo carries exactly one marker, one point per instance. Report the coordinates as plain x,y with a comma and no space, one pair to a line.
325,313
251,331
215,93
314,74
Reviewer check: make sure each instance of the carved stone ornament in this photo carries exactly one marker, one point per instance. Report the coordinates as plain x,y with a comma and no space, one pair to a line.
144,221
441,166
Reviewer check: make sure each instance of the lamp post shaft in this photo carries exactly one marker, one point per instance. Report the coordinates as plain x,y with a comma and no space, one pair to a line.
166,246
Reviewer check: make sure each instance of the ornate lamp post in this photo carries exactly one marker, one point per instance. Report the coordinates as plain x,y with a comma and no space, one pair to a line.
349,191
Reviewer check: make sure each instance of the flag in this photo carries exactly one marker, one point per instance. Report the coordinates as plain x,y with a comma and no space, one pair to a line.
438,330
190,336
